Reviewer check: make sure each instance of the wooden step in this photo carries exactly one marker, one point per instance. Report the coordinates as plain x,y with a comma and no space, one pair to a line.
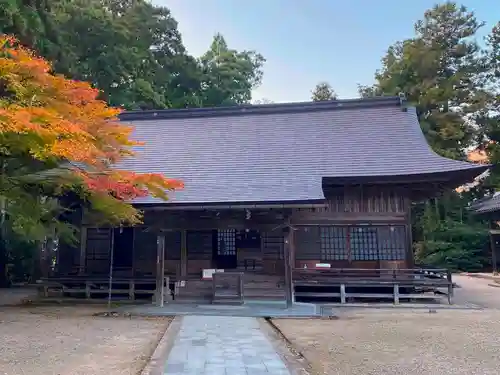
260,287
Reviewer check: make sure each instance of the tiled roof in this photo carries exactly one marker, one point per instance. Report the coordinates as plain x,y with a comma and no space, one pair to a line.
281,152
486,205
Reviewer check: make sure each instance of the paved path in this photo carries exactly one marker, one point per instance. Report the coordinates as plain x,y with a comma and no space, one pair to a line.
217,345
476,291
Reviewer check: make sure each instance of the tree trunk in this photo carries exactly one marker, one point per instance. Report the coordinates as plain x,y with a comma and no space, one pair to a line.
4,259
46,257
36,266
4,279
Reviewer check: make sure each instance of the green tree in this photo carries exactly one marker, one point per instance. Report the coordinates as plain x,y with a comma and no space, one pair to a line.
489,119
440,70
451,237
32,23
131,50
323,91
229,76
445,74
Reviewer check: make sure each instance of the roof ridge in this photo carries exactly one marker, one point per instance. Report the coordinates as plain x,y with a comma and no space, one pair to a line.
263,109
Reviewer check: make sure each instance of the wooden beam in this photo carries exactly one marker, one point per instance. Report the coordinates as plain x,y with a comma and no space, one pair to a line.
347,222
203,227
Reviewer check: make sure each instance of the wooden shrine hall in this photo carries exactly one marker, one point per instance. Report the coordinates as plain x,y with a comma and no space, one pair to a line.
280,200
489,209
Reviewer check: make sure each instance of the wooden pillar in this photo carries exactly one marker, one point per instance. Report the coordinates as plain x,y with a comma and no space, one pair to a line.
410,262
83,248
133,252
183,269
396,294
342,293
160,270
289,260
292,261
493,249
111,265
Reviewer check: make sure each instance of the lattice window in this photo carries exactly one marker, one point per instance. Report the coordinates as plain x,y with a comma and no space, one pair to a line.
363,243
226,242
392,242
333,243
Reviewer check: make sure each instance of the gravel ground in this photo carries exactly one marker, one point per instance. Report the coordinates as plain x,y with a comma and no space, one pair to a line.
406,342
476,291
69,341
16,296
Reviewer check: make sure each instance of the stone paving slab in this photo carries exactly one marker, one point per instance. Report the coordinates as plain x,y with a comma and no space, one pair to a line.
262,310
220,345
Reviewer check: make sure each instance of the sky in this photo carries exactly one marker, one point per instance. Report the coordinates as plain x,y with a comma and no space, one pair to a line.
309,41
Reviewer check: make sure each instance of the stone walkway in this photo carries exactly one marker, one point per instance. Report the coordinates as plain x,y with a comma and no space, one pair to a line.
217,345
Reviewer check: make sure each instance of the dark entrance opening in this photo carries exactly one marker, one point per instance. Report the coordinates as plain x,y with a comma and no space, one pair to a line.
248,243
224,255
123,248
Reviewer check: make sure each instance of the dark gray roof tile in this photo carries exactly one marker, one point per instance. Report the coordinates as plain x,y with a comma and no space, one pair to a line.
280,153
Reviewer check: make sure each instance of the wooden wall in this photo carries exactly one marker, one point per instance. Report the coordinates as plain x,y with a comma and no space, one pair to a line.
199,246
68,253
330,234
97,253
273,251
343,208
367,200
145,250
68,258
353,246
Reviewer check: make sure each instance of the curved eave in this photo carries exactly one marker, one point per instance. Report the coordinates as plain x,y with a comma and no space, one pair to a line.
452,178
487,206
486,211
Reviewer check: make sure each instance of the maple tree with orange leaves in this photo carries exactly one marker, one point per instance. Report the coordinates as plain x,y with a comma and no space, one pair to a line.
58,129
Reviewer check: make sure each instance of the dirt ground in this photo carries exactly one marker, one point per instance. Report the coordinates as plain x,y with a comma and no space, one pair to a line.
373,342
476,291
70,341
